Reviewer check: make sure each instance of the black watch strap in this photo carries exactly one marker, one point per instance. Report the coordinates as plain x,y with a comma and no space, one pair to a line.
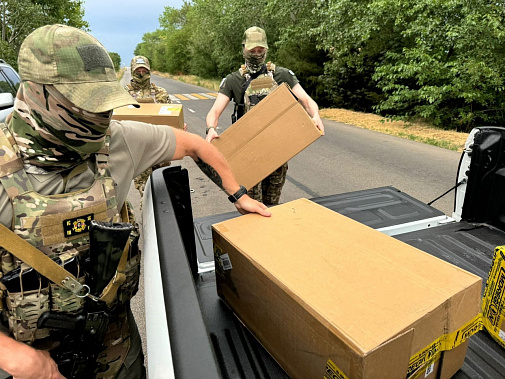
237,195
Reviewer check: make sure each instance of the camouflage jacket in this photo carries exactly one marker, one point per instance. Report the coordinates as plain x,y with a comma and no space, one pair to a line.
157,94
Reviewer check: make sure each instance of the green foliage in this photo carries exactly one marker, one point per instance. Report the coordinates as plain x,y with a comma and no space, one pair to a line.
116,60
439,60
18,18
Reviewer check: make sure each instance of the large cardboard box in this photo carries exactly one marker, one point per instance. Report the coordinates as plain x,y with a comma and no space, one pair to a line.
152,113
329,297
266,137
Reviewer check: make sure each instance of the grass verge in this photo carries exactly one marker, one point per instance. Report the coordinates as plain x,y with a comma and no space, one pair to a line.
419,132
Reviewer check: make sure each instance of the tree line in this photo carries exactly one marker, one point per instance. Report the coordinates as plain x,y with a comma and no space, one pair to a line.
437,60
18,18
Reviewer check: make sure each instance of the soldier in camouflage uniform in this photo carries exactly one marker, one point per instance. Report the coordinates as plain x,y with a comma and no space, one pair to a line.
64,162
143,90
260,79
141,87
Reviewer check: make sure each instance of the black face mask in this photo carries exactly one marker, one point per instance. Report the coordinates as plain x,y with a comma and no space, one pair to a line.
254,62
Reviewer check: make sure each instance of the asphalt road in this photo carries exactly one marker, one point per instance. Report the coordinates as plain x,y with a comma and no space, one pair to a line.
346,159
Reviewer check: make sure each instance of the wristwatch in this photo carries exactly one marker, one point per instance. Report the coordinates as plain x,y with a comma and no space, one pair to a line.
208,128
237,195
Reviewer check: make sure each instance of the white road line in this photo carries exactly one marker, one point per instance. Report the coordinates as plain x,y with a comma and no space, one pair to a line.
207,96
189,96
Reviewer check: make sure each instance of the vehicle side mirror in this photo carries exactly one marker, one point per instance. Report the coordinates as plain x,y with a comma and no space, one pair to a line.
6,100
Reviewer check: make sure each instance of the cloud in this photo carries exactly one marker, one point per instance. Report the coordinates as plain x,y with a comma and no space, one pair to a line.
120,24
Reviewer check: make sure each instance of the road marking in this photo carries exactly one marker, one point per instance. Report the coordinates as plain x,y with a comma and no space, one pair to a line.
181,97
192,96
191,110
199,96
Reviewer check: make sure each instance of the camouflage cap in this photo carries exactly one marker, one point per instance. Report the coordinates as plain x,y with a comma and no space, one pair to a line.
254,37
140,61
76,64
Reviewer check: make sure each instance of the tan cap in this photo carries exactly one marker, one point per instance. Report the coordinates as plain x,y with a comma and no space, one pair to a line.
254,37
140,61
76,64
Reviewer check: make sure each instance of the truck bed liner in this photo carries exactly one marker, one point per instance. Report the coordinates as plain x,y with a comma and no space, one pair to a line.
463,244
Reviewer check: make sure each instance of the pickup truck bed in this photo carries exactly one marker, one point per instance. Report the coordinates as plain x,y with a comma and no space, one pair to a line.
208,341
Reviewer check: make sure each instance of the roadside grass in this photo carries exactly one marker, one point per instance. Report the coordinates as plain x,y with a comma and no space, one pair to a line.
415,131
211,84
120,73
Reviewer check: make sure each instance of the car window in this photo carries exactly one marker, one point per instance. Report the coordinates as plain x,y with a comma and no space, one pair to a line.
11,76
5,85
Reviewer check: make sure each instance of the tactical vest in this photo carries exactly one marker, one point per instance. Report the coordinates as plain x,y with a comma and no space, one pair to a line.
57,226
259,87
143,95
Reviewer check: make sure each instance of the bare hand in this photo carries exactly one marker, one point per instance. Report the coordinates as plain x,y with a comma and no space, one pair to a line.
319,124
211,135
247,205
35,364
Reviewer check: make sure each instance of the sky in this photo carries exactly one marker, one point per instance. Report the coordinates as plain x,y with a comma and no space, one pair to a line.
120,24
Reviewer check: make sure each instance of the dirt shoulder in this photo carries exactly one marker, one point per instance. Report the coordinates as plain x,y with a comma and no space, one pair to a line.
414,131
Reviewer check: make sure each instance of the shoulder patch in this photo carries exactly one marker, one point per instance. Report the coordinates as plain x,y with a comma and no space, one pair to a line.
291,72
221,85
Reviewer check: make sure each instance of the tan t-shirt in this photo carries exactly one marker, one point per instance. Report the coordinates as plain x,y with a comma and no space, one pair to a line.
134,147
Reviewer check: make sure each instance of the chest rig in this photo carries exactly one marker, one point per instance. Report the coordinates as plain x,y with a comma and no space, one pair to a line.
57,227
256,87
143,95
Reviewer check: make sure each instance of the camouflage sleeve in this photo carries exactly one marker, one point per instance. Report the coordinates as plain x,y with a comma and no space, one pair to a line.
161,95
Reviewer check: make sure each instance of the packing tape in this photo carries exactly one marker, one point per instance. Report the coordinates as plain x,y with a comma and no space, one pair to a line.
449,341
491,319
493,302
333,372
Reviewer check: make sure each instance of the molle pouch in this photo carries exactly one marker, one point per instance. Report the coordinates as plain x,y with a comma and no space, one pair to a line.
24,309
23,278
62,299
7,261
256,98
132,271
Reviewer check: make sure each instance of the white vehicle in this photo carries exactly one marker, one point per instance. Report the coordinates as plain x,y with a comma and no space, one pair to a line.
191,333
9,84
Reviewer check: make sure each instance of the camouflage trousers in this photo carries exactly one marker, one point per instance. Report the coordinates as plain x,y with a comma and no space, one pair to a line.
268,191
123,336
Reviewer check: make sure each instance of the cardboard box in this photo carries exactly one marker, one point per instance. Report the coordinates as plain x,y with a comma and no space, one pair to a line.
266,137
329,297
493,302
152,113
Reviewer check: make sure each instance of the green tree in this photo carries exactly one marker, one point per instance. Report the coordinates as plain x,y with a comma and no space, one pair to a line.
116,60
18,18
175,52
452,73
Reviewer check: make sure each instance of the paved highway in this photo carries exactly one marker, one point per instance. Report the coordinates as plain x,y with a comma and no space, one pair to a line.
346,159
